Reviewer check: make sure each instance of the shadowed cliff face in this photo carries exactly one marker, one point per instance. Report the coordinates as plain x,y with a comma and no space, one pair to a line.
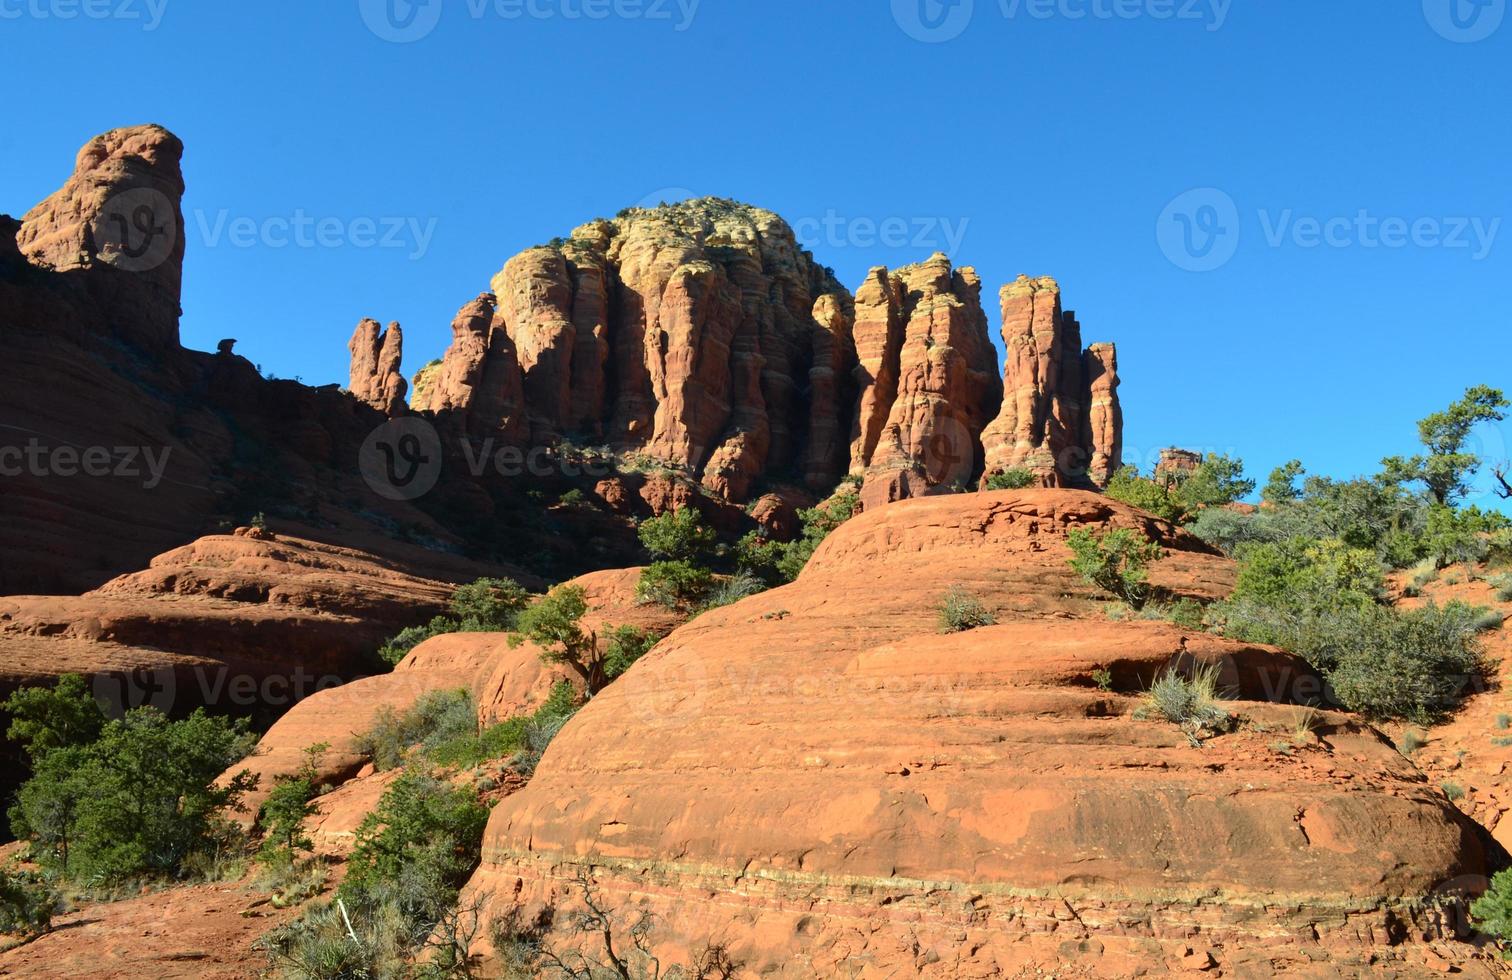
698,335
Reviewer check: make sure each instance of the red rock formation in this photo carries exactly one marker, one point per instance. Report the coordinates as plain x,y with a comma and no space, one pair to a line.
1060,418
376,378
479,382
118,219
1176,464
947,385
698,334
974,804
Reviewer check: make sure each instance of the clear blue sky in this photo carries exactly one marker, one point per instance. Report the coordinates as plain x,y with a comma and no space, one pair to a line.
1044,142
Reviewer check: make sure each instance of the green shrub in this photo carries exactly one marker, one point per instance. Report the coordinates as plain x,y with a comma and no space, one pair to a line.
554,624
1114,562
626,645
677,536
400,645
573,498
674,584
1216,481
506,739
1136,491
1187,613
1503,586
961,611
1454,536
1445,469
489,605
413,854
436,718
1492,912
1416,665
1281,488
289,804
27,903
47,718
1014,479
424,836
1191,702
758,555
818,523
137,800
1454,792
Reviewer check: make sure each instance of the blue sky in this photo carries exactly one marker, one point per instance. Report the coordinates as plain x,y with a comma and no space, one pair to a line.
1335,172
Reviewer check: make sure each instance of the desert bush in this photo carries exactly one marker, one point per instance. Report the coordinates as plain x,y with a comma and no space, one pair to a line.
47,718
1445,468
27,903
961,611
1421,575
626,645
1114,562
138,800
289,804
506,739
436,718
1454,536
1014,479
1492,912
1187,613
674,584
1503,586
1129,487
554,623
1228,530
1192,702
677,536
1216,481
488,605
416,848
818,523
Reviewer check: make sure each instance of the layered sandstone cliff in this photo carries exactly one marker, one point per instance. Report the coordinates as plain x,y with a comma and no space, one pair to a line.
928,378
1060,418
856,792
699,334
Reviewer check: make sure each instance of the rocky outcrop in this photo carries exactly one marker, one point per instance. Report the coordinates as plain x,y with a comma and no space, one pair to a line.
926,334
1176,465
376,378
1060,417
117,227
118,444
423,386
699,334
985,803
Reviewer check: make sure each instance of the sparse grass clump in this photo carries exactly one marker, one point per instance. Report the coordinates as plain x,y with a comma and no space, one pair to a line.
1192,702
1410,743
1502,583
1454,791
961,611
